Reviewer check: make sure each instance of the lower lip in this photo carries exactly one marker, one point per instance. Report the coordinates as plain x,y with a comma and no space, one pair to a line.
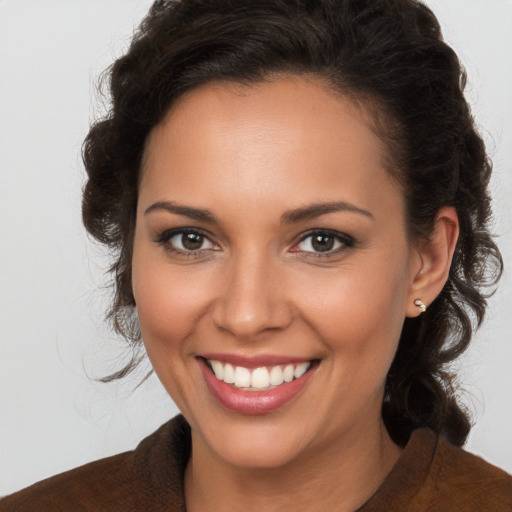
253,402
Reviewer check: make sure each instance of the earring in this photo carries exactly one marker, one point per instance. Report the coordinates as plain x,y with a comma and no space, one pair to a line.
419,304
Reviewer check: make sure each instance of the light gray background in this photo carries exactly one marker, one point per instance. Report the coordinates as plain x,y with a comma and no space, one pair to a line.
51,301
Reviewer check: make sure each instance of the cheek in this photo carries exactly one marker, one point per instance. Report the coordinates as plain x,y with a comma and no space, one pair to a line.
169,301
169,304
359,311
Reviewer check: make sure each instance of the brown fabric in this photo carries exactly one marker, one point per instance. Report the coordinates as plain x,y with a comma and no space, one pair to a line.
435,476
147,479
430,476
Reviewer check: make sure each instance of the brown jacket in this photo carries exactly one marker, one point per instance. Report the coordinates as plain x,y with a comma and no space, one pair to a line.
430,476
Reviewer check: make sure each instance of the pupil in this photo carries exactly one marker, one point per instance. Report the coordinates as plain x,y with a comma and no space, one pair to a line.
323,243
192,241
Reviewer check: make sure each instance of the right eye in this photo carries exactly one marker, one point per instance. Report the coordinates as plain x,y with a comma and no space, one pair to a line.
323,243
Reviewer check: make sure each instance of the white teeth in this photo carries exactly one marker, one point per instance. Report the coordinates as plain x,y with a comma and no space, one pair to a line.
242,377
258,378
229,374
288,373
276,376
218,369
301,370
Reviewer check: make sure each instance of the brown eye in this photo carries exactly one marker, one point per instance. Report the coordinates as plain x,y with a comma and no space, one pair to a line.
185,241
192,241
324,242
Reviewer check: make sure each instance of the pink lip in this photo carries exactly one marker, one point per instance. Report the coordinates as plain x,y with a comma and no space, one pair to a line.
253,402
255,361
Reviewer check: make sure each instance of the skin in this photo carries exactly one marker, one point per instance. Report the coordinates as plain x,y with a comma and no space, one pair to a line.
248,155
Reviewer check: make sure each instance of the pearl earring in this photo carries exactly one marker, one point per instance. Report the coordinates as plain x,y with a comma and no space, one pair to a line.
419,304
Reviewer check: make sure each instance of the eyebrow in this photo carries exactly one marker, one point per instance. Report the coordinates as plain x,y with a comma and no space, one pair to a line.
315,210
186,211
289,217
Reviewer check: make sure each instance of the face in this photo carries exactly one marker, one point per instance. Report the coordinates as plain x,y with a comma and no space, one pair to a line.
271,269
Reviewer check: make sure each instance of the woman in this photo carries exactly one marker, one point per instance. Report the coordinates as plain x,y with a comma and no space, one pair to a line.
297,199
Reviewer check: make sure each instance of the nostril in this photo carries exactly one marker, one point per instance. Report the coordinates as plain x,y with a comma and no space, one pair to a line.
244,319
249,301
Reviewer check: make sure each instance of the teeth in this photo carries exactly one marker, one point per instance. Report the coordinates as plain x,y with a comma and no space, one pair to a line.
242,377
229,374
301,370
288,373
258,378
276,376
218,369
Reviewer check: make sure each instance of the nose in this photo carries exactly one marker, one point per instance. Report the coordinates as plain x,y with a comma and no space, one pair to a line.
252,299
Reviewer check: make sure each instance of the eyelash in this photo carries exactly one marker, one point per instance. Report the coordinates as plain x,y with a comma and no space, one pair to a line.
345,242
165,238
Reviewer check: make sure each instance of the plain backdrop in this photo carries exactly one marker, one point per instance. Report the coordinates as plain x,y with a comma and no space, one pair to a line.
53,294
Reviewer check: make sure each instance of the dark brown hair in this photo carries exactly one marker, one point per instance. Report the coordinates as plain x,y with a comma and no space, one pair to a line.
389,54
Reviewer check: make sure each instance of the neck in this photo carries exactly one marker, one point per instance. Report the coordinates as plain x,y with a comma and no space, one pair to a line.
340,476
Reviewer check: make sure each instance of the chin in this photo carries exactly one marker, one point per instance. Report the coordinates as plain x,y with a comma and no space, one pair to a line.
254,443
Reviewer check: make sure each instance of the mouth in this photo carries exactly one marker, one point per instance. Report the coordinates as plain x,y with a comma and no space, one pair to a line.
258,379
252,387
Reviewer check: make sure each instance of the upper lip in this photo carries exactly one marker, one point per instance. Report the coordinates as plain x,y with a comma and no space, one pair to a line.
256,361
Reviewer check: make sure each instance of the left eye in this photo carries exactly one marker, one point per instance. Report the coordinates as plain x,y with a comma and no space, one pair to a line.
322,242
189,241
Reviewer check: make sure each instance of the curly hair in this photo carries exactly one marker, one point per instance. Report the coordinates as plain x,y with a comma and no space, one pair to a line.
388,54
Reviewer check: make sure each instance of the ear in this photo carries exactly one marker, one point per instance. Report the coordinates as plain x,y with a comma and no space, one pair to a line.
432,260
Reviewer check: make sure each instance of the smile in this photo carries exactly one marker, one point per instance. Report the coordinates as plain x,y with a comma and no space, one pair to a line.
256,386
257,379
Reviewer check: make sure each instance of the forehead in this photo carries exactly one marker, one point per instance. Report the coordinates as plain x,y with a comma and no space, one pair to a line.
286,141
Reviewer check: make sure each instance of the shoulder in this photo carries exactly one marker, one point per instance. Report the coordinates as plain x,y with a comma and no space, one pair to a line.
148,478
434,476
467,482
84,486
